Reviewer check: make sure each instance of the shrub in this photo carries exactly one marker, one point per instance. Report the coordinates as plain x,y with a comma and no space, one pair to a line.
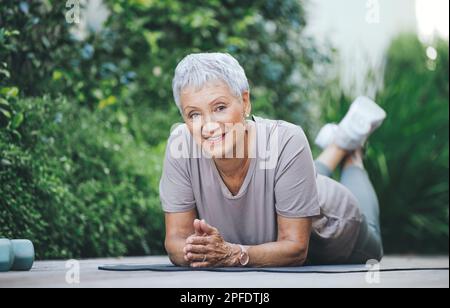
34,40
78,184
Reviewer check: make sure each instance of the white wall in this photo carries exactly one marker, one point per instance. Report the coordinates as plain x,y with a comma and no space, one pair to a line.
432,18
361,30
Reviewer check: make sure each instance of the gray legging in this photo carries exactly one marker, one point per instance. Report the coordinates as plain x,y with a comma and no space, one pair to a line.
369,244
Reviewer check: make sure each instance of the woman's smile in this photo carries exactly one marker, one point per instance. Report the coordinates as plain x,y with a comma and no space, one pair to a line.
216,139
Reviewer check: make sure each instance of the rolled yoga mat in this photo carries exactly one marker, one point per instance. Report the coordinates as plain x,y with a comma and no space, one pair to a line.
321,269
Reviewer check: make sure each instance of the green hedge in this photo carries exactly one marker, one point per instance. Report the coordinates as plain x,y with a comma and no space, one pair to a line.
35,41
78,184
409,160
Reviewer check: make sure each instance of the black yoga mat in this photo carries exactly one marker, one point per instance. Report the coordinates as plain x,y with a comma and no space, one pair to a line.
322,269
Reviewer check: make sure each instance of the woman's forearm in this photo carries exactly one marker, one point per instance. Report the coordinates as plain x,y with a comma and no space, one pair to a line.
174,248
277,254
211,250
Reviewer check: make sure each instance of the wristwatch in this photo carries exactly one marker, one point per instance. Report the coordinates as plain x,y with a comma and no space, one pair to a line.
244,257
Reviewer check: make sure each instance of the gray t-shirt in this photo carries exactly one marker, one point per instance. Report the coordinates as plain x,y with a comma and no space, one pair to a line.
281,180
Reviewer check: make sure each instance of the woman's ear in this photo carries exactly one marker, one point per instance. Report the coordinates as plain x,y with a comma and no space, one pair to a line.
246,103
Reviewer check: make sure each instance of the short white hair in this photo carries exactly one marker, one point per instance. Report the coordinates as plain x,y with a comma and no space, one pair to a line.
196,70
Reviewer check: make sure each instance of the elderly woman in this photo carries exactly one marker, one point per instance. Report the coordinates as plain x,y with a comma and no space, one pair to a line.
244,191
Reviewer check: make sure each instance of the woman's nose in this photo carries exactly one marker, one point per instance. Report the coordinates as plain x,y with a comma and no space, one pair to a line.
210,129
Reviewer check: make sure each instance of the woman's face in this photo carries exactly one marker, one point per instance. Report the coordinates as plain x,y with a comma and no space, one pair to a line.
214,115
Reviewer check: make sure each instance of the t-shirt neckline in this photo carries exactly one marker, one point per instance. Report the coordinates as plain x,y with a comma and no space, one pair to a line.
251,171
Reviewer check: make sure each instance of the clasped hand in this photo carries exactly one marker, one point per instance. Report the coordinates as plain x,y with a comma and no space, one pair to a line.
207,248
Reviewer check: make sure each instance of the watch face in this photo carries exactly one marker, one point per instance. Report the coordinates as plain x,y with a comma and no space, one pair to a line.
244,259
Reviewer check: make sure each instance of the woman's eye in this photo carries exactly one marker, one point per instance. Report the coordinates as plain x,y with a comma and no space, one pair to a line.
194,115
221,108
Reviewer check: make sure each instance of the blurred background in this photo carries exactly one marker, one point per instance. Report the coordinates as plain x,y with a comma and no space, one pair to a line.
86,107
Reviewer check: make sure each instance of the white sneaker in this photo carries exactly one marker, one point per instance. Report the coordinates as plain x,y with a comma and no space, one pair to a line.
362,119
326,135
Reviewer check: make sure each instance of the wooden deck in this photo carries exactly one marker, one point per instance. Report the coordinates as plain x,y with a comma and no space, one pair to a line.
53,274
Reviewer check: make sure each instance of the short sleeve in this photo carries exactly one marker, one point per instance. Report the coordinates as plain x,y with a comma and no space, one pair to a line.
296,194
175,187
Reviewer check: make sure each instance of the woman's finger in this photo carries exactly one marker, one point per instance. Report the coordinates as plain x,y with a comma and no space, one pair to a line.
197,249
207,228
197,227
199,240
201,264
196,257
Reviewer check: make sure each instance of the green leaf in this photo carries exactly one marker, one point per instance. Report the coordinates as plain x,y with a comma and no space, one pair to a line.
9,92
12,33
4,103
57,75
5,113
16,135
17,121
109,101
5,162
5,73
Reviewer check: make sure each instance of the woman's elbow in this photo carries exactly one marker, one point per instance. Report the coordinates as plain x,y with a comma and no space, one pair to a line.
175,256
168,245
299,261
300,254
174,261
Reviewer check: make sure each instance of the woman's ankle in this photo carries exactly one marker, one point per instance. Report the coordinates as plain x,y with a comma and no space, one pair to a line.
354,159
332,157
